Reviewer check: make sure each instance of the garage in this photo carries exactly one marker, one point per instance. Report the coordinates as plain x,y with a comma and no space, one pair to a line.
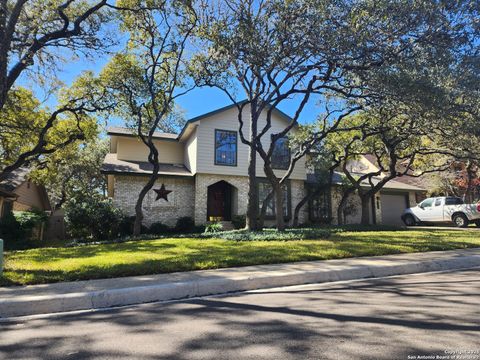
392,206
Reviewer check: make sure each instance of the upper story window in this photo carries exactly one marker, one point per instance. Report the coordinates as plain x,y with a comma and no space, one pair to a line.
281,154
225,147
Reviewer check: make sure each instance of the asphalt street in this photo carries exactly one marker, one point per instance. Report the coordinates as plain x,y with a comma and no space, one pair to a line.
425,316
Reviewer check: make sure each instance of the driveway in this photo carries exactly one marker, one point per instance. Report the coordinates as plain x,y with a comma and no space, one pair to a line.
390,318
443,227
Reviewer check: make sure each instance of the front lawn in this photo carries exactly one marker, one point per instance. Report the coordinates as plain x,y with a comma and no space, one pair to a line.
47,265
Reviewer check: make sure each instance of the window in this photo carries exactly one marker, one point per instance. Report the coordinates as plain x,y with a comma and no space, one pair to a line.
264,188
281,154
453,201
427,203
438,201
225,147
319,207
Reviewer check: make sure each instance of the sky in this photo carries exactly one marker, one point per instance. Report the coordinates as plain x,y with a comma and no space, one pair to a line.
197,102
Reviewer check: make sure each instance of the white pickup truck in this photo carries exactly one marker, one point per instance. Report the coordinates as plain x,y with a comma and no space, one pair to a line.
443,210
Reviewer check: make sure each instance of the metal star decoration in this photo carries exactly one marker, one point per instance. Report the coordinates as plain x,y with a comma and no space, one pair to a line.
162,193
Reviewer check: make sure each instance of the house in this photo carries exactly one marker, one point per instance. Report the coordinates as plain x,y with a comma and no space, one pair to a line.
18,193
386,206
203,174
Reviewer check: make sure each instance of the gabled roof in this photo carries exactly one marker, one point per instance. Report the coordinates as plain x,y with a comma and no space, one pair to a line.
123,131
112,165
14,179
337,179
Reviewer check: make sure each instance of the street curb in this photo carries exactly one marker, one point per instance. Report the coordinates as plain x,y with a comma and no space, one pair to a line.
24,305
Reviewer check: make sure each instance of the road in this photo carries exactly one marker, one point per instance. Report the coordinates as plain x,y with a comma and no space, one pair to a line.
390,318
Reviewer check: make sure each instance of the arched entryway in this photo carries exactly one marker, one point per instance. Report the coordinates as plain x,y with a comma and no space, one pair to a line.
220,201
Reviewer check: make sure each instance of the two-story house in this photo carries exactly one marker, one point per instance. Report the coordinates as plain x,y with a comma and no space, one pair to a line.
203,173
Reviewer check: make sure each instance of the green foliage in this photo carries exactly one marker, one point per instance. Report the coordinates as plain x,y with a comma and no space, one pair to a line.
16,228
14,236
29,219
73,169
159,228
92,217
238,221
185,225
274,235
213,227
186,254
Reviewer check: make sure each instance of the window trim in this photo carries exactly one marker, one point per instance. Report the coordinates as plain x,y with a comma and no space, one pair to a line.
215,147
326,192
274,167
288,217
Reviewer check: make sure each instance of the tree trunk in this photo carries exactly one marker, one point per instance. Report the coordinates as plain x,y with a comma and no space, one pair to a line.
263,211
251,222
341,218
279,208
366,203
299,206
137,226
468,198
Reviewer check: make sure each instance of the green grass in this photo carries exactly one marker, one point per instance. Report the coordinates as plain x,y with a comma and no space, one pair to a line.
48,265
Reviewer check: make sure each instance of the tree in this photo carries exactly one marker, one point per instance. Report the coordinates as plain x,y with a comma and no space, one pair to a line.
74,169
36,34
30,131
275,50
462,179
146,79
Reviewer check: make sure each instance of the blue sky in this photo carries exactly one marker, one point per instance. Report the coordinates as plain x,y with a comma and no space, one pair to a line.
196,102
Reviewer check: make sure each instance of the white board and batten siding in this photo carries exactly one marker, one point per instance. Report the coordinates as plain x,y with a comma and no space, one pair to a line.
228,120
133,149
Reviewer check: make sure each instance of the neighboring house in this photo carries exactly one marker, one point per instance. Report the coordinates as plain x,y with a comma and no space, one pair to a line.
18,193
387,205
203,174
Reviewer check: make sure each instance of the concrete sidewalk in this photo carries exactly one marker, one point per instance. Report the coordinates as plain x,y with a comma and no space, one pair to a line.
97,294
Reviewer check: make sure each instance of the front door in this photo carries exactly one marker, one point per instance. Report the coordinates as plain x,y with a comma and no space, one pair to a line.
219,202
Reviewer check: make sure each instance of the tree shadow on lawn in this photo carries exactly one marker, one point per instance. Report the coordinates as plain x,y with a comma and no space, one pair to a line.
200,255
87,251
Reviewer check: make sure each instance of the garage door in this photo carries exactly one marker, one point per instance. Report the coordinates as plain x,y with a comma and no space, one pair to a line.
392,208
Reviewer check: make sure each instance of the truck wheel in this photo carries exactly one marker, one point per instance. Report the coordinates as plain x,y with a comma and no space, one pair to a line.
409,220
460,220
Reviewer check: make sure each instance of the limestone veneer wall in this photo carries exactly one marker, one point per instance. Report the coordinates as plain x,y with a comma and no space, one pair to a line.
180,200
188,197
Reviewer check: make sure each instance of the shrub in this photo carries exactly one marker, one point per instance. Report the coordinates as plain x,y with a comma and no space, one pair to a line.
369,227
92,217
213,227
16,228
126,226
159,228
185,224
239,221
272,234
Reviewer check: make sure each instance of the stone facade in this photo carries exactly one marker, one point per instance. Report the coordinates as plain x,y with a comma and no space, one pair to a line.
179,202
298,192
355,214
203,181
354,205
189,197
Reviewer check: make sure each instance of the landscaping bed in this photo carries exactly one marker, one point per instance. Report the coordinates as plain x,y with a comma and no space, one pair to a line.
165,255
